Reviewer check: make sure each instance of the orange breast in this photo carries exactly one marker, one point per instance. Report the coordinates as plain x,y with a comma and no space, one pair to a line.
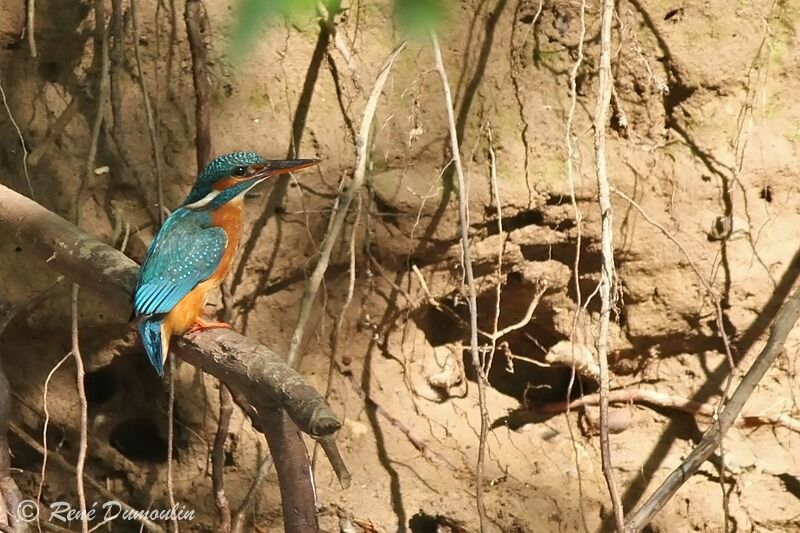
183,315
229,218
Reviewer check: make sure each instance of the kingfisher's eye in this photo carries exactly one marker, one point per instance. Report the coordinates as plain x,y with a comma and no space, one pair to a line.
240,171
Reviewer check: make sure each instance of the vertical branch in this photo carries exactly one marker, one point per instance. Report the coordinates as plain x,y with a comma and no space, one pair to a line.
30,28
117,63
170,441
298,497
342,207
463,204
101,44
607,275
196,27
570,145
148,110
11,495
21,140
499,287
45,426
84,438
218,459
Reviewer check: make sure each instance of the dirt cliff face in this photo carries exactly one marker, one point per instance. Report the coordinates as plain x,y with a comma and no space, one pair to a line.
702,152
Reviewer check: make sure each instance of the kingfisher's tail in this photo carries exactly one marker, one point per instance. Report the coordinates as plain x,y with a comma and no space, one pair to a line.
156,344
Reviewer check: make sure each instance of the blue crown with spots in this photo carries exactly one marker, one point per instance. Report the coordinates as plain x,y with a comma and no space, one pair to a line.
220,168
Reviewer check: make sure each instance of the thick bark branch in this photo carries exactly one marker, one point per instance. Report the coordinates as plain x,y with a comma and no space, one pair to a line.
258,372
280,396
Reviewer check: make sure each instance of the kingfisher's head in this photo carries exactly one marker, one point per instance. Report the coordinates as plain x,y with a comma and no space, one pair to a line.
230,176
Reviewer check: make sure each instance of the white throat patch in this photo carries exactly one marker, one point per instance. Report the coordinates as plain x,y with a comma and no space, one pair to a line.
204,201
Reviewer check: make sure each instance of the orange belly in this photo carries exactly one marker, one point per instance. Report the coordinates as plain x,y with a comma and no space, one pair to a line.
184,314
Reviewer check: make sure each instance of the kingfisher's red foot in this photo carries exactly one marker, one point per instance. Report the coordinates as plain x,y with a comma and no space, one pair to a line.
201,324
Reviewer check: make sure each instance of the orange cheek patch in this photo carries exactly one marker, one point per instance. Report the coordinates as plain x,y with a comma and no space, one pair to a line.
223,184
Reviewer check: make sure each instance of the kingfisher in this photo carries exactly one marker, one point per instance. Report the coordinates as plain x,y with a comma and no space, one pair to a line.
194,250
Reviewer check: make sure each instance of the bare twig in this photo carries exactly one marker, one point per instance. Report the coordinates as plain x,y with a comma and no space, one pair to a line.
570,146
239,518
463,203
11,497
328,444
660,399
218,459
362,150
96,485
607,274
101,39
420,445
781,327
171,443
44,430
542,288
493,336
79,377
117,55
58,127
196,28
21,140
148,111
499,287
31,28
715,300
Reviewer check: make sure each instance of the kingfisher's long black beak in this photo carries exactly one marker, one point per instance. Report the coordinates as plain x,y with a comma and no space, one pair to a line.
278,167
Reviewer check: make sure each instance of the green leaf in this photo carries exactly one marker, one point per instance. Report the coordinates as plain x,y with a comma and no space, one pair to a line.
419,16
253,17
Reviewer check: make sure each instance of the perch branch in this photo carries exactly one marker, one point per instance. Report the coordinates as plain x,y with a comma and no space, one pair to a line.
463,210
607,274
337,222
196,28
245,366
781,327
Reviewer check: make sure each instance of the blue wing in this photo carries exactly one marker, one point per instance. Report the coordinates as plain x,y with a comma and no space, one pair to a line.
185,252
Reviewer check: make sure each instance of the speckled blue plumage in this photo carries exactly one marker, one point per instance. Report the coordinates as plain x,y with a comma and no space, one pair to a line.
185,252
